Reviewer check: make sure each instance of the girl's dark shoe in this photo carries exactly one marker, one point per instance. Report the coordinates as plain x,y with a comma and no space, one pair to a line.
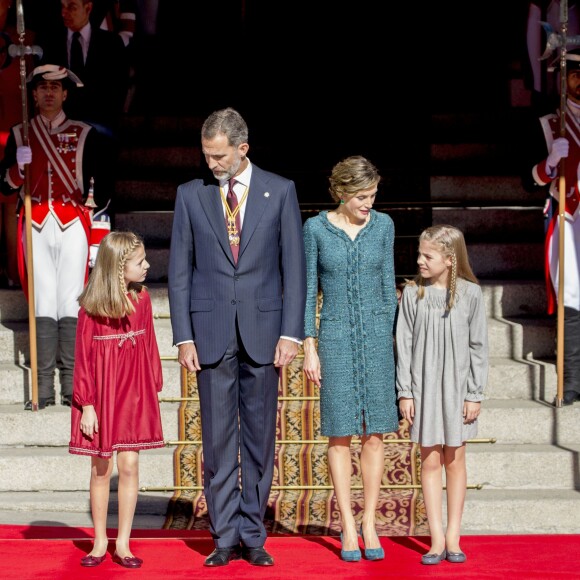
128,561
92,561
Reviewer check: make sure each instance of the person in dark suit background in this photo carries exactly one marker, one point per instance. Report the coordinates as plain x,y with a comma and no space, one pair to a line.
237,313
104,71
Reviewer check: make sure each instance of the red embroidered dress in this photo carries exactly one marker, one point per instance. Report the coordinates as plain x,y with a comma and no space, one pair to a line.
118,370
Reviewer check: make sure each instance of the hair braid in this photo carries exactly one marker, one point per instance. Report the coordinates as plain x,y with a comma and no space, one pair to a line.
123,259
452,282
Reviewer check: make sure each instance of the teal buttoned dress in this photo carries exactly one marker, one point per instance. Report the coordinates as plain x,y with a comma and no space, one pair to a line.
356,328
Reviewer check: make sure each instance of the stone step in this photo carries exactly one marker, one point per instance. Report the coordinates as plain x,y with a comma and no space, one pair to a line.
488,260
73,508
522,380
537,423
15,385
151,158
495,466
472,159
490,189
152,195
13,305
522,466
14,340
514,297
157,129
153,227
476,126
55,469
486,512
522,511
507,261
490,224
51,426
521,337
495,224
502,297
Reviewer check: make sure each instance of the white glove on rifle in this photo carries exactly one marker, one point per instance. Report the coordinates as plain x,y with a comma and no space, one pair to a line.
559,149
23,156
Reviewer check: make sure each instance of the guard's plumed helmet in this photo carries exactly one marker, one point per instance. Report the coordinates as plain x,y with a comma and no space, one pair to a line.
573,59
52,72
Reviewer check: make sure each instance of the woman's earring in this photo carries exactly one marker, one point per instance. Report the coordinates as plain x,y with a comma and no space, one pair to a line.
342,202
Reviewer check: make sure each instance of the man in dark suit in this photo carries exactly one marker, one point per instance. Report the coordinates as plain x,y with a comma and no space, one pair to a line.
237,294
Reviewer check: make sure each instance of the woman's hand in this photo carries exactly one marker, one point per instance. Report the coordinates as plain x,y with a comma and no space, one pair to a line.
311,365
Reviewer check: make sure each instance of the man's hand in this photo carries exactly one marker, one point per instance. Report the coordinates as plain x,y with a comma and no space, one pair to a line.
187,357
23,156
559,149
286,351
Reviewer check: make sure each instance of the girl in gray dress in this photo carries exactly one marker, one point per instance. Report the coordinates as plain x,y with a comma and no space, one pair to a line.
349,253
442,363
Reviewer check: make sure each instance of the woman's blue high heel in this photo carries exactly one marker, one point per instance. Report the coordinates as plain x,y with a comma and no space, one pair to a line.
372,553
349,555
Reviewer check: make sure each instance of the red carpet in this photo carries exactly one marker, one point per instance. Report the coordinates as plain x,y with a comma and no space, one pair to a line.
31,552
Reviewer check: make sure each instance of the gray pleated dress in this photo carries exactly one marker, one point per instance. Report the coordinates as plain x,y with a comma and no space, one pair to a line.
442,360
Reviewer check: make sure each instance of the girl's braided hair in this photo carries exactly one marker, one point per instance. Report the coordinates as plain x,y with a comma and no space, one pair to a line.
450,242
106,294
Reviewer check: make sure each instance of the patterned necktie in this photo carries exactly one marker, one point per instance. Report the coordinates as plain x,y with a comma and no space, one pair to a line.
233,204
77,61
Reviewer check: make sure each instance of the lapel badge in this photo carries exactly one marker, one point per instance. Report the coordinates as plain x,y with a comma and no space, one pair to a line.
267,194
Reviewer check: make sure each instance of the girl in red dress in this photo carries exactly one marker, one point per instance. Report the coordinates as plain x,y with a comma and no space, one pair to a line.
116,380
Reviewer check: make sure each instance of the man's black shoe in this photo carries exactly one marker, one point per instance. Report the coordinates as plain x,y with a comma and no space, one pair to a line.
257,556
66,400
223,556
42,403
570,397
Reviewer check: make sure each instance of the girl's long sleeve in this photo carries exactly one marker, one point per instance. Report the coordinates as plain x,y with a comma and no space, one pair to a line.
84,388
404,342
478,349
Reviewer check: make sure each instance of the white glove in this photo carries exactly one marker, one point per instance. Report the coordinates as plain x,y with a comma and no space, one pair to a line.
558,150
93,251
23,156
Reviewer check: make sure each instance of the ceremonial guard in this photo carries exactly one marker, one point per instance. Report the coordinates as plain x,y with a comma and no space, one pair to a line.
547,172
61,154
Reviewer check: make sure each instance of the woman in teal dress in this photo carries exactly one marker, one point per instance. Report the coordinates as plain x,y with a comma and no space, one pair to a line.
349,252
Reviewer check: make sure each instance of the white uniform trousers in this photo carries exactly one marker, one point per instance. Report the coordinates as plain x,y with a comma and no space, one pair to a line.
60,263
571,261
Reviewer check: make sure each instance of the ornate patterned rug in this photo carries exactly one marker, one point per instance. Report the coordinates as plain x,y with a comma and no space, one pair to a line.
302,499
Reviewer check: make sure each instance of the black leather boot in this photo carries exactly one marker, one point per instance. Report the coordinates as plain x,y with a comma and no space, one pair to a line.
46,348
67,329
571,355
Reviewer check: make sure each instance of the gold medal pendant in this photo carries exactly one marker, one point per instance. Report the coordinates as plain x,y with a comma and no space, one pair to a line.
233,234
